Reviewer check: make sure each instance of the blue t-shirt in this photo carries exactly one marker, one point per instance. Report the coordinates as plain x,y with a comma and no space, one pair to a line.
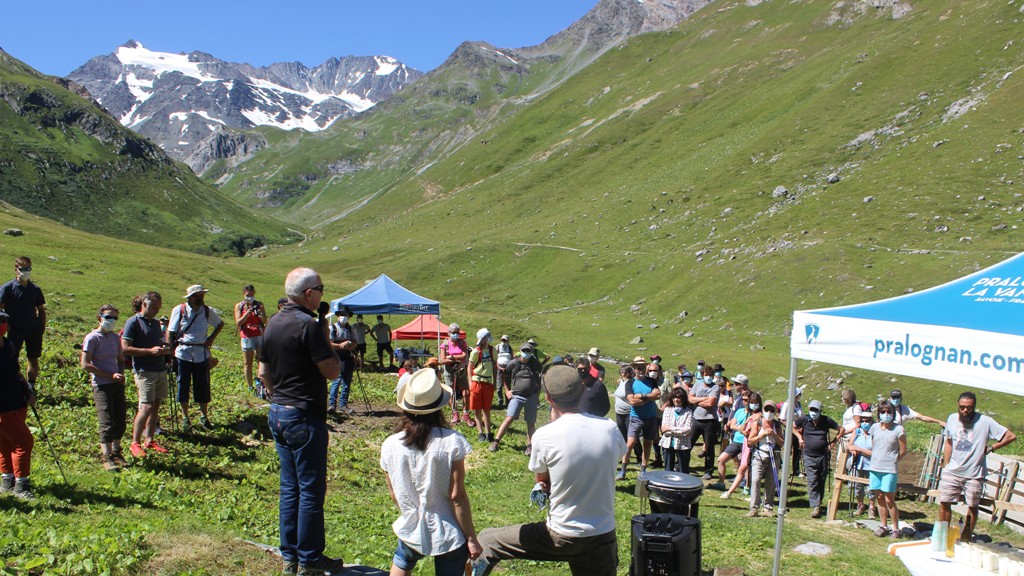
741,416
862,440
645,411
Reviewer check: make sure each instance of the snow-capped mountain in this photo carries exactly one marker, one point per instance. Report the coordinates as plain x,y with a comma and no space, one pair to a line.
183,102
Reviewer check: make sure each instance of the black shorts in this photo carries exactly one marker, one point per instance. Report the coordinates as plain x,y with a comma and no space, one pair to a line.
361,349
33,342
733,449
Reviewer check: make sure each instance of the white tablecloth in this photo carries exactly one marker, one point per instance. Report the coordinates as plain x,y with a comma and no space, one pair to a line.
921,560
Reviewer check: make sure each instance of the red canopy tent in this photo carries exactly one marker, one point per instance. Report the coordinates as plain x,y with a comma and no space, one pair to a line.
422,327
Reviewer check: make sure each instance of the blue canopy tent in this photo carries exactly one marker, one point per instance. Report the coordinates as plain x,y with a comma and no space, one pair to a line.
385,296
969,331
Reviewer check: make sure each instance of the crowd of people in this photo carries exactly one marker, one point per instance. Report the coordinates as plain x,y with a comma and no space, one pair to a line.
305,366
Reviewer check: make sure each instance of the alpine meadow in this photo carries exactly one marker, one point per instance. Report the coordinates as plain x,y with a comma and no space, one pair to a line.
678,192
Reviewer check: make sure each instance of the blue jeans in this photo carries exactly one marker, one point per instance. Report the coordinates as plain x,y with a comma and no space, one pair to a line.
345,386
450,564
301,443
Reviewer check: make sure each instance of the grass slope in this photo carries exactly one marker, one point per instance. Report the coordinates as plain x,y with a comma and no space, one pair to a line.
184,513
64,158
645,187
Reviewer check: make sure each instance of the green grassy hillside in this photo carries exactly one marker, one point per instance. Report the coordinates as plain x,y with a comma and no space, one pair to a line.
64,158
649,184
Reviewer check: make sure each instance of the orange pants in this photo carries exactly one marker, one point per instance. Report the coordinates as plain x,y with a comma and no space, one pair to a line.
15,443
481,395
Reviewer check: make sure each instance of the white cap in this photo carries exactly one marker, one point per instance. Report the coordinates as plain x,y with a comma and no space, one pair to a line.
481,334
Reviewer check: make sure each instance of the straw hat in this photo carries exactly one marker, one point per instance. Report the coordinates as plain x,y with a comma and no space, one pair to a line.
423,393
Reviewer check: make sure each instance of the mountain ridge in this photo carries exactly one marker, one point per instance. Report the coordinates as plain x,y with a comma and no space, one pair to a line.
182,101
63,157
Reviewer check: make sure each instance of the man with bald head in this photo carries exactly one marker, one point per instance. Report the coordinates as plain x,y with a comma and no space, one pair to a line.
296,361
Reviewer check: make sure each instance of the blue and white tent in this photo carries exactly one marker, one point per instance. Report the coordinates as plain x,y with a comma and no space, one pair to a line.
969,331
385,296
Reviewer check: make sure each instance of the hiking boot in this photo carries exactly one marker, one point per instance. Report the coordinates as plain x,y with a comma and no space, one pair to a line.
816,513
860,509
6,484
872,512
455,418
330,410
290,567
621,475
896,534
136,450
151,445
346,409
119,459
753,513
882,532
324,565
23,489
493,447
490,437
481,437
186,427
109,465
205,423
468,420
643,470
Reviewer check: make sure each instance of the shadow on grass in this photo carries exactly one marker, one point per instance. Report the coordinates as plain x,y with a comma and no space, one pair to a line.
69,498
189,470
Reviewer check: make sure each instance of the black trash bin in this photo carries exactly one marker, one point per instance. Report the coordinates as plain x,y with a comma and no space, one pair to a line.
665,545
672,492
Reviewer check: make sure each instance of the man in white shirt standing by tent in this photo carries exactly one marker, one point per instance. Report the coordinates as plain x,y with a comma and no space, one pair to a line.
574,461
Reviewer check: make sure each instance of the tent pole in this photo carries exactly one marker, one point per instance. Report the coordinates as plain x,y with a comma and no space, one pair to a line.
786,463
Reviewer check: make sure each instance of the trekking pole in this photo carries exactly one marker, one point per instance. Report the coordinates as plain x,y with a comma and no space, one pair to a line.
46,438
362,390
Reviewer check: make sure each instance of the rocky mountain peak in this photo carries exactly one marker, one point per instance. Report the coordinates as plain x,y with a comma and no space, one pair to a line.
182,100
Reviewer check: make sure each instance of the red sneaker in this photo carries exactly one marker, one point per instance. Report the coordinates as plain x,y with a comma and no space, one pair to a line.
151,445
136,450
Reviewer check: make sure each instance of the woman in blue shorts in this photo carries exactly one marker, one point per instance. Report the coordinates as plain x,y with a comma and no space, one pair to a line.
888,446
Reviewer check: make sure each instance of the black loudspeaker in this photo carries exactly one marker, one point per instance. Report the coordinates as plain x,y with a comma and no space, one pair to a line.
665,545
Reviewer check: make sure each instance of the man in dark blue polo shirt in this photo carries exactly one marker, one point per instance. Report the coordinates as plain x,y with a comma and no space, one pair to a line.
296,361
24,303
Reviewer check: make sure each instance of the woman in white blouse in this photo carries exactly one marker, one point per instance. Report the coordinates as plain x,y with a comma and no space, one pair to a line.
425,466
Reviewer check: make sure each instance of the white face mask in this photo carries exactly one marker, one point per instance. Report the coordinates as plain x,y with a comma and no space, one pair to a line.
769,416
343,319
108,325
250,298
24,275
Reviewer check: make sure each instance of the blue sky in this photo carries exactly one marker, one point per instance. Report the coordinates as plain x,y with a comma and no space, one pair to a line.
58,36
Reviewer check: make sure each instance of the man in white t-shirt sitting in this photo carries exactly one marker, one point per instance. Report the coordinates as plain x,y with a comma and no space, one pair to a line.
574,461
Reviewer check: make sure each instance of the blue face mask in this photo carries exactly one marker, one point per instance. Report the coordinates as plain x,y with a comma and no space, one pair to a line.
814,414
708,379
525,355
885,418
895,401
865,426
